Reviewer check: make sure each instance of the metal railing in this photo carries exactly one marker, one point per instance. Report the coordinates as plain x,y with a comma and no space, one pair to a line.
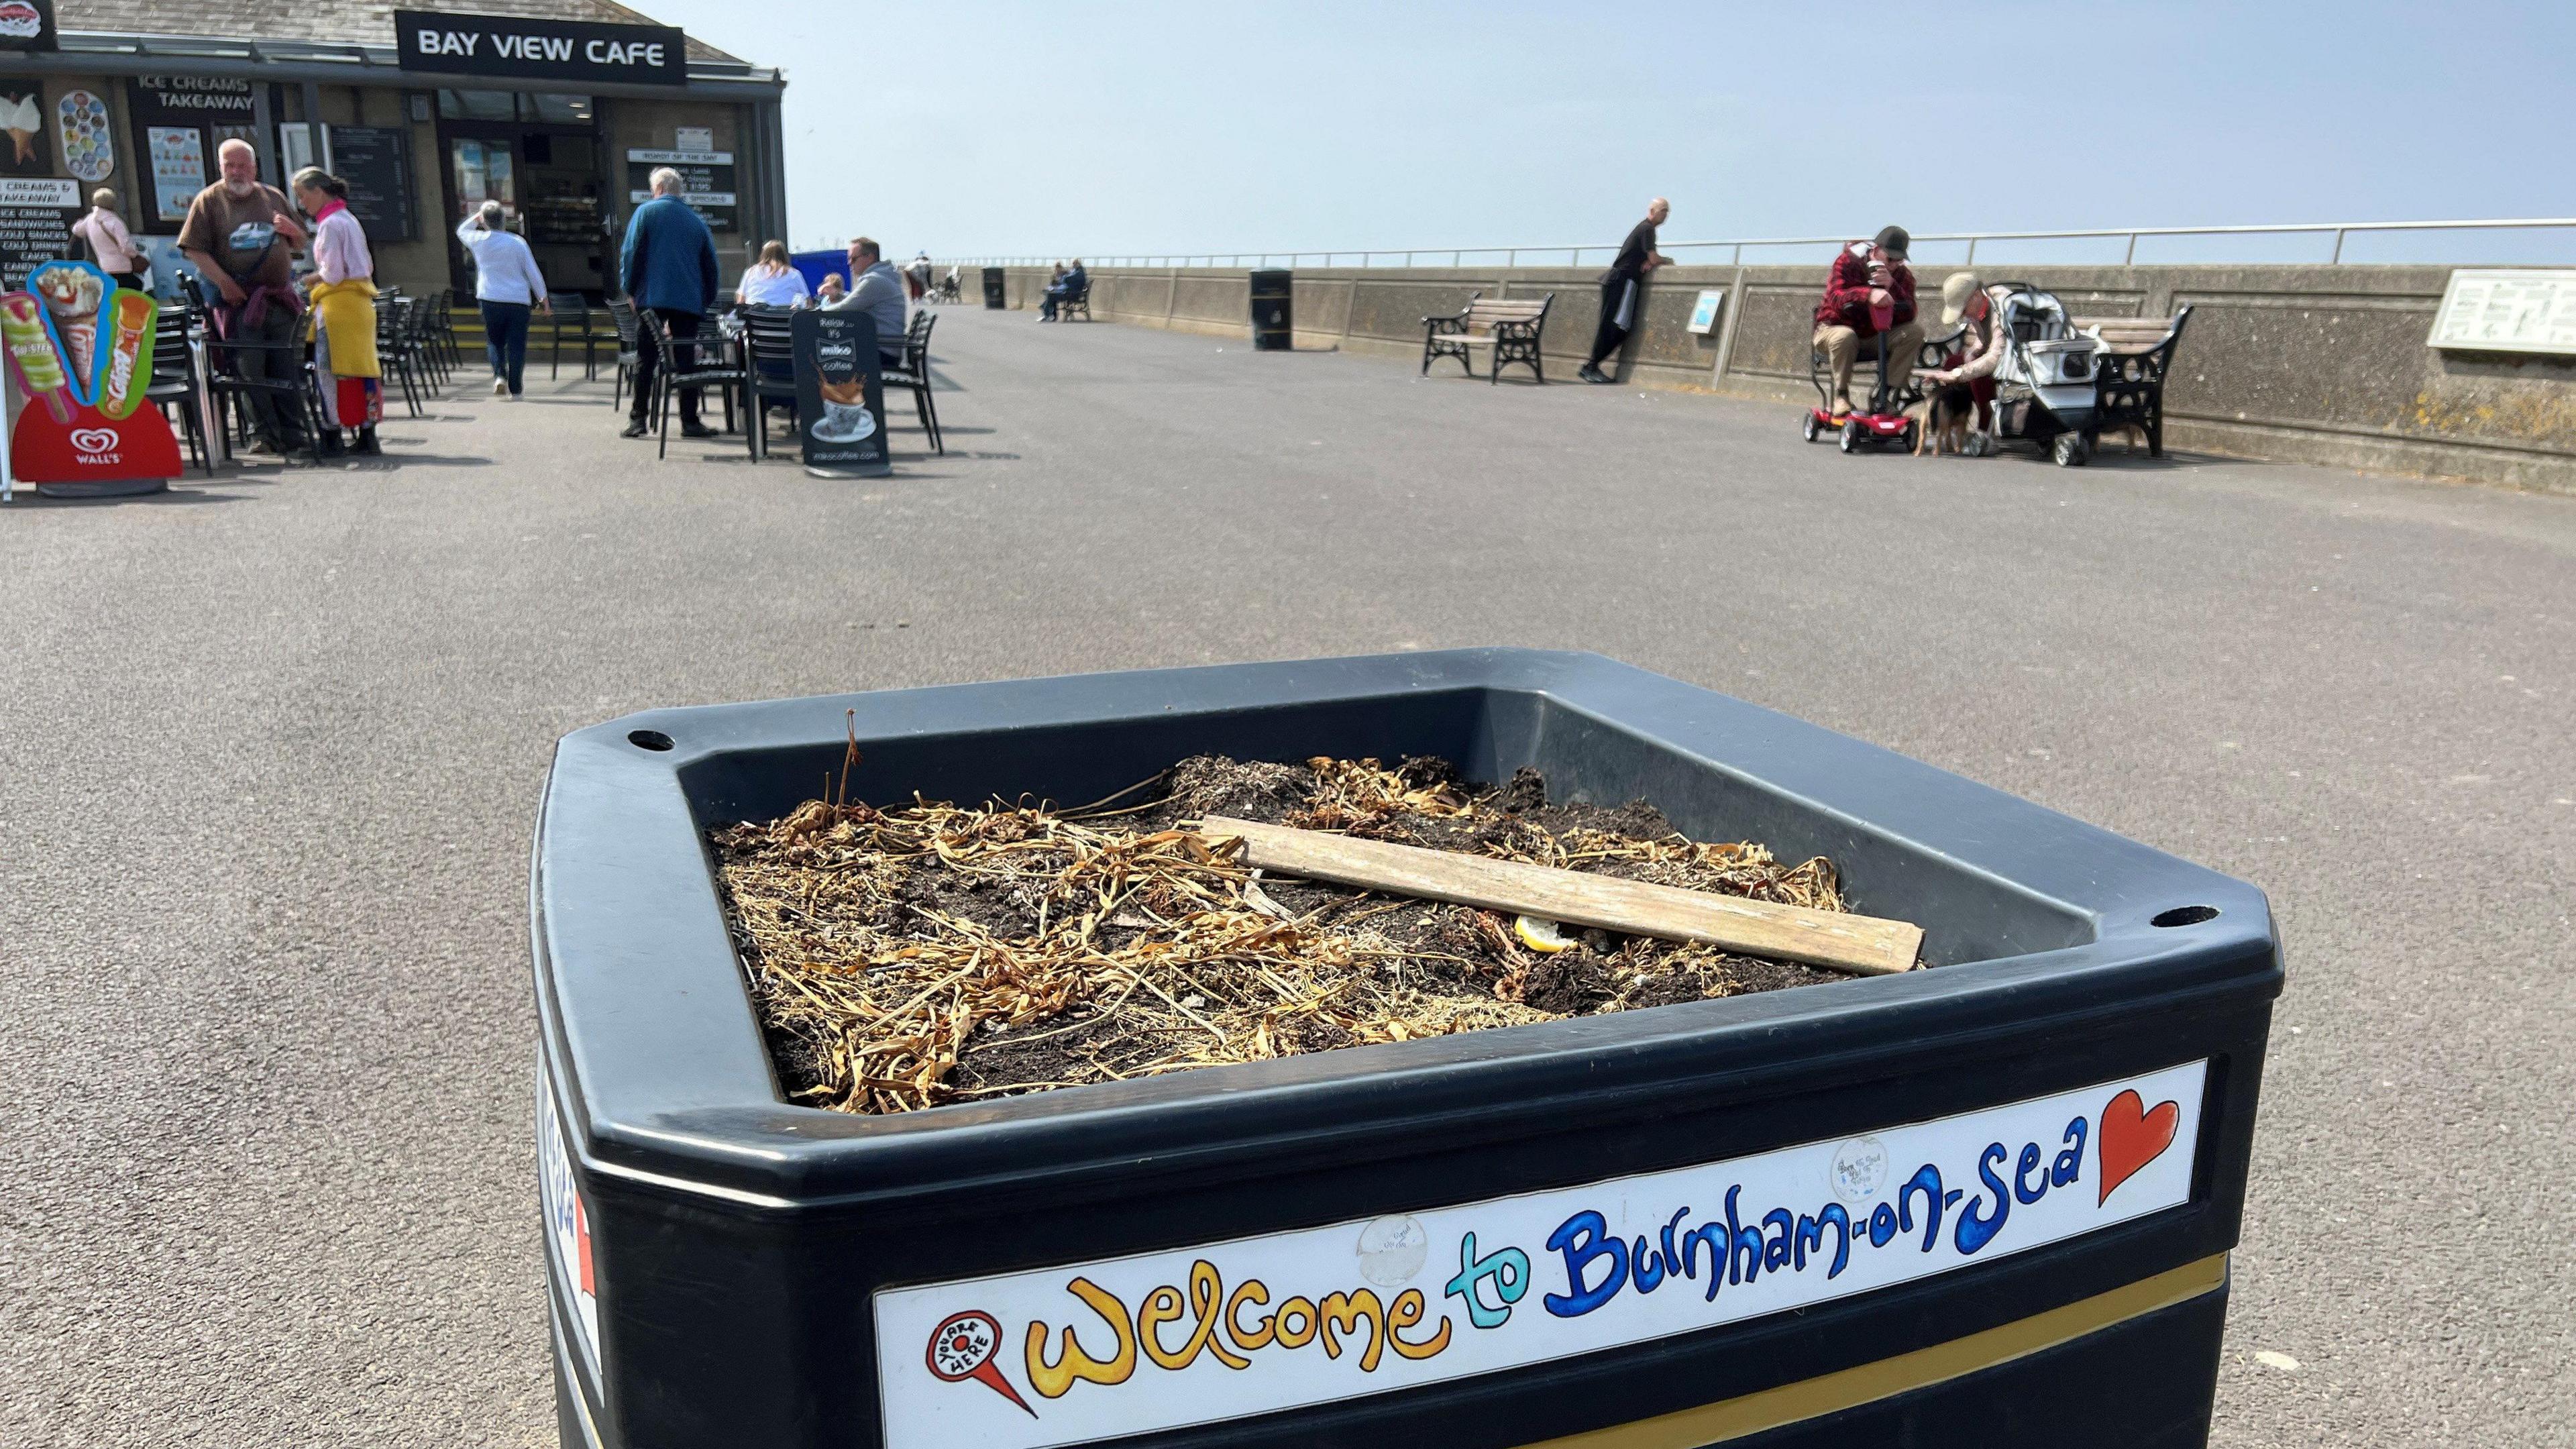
1546,255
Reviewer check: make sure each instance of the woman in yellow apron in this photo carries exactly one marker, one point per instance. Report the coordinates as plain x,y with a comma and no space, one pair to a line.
344,312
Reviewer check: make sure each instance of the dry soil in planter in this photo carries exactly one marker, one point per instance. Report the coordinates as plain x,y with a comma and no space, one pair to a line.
905,957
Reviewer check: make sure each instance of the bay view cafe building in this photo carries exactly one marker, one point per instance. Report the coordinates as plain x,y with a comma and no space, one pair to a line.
557,109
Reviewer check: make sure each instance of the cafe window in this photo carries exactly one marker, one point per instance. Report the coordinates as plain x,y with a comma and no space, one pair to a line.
478,105
550,107
562,109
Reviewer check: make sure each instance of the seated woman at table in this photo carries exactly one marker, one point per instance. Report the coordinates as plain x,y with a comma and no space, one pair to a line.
772,281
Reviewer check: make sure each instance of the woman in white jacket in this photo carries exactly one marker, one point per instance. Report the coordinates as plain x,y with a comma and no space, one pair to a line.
507,287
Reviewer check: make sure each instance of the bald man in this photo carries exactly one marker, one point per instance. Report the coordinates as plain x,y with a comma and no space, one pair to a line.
237,235
1622,287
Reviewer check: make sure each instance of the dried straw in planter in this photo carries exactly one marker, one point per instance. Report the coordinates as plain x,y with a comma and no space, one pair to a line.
934,953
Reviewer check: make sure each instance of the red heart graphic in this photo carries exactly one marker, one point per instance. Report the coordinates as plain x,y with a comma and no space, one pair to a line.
2132,1137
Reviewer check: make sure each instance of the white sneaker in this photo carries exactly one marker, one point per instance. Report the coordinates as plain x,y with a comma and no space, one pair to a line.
500,387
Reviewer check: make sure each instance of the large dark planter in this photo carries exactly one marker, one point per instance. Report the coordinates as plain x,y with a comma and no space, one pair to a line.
2063,1280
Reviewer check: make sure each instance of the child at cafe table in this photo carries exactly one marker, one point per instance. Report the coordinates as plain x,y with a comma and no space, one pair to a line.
232,236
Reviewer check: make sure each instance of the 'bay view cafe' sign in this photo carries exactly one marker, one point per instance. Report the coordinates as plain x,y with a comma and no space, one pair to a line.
564,50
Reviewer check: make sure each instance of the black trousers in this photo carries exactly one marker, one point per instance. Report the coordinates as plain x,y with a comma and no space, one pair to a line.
684,334
1608,338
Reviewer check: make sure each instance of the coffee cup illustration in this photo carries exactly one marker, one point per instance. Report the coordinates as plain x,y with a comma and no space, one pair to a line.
845,423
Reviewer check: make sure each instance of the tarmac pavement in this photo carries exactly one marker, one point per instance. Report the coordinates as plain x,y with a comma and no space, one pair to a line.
270,748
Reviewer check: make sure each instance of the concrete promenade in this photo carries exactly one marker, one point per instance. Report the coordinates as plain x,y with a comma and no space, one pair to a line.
270,750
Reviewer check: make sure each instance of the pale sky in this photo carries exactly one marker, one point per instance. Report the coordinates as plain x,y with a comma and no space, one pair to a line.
977,128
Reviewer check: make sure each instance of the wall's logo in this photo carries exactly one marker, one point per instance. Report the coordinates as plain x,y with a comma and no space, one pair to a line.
95,445
962,1348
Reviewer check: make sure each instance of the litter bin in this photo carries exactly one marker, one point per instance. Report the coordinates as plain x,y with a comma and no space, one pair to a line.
994,296
1988,1203
1270,311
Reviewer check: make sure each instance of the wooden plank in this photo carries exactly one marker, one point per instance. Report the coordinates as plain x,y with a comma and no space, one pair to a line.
1864,944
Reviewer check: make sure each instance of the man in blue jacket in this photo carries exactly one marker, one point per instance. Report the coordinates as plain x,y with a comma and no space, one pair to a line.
668,268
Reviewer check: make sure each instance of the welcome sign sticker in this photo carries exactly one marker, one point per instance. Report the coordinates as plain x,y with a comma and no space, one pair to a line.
1164,1340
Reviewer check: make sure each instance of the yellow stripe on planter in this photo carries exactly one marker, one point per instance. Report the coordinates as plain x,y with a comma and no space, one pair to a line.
1888,1377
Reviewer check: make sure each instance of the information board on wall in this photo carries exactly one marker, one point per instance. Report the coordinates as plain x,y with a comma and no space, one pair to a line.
706,180
376,162
2508,309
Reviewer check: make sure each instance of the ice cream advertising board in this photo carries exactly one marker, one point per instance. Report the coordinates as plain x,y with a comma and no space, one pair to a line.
80,352
1232,1329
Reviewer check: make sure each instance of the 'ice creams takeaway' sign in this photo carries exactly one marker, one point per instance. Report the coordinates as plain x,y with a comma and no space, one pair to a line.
80,351
1227,1330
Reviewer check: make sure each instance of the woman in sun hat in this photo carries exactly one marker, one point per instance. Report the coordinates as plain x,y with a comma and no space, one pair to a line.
1970,368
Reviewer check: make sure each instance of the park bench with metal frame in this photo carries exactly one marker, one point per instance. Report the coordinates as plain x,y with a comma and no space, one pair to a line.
2129,377
1509,325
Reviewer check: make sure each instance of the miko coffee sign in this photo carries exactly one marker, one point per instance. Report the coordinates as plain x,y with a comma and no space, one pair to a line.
570,50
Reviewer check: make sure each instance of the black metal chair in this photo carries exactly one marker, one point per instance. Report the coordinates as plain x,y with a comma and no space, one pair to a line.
294,394
572,314
671,375
394,352
914,376
630,347
173,387
430,353
447,353
769,342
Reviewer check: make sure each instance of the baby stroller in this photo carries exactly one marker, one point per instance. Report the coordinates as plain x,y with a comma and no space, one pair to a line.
946,291
2045,391
1883,419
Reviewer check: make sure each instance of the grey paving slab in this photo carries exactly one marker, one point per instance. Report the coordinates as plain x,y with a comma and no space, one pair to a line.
269,749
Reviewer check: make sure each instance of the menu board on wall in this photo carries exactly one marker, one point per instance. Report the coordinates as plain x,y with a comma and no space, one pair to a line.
564,220
31,236
706,180
181,119
376,162
177,156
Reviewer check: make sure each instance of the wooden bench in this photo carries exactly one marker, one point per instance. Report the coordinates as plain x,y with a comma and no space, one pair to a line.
1078,299
2129,383
1510,326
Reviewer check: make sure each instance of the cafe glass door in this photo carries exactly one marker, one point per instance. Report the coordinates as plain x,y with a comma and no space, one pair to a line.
539,156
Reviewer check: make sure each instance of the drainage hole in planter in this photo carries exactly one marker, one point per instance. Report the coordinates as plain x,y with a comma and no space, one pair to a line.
656,740
2178,916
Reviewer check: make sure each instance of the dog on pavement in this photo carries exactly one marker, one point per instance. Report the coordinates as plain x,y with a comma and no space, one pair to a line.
1941,421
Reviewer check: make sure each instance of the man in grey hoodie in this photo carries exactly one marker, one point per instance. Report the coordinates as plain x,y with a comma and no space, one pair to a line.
876,288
